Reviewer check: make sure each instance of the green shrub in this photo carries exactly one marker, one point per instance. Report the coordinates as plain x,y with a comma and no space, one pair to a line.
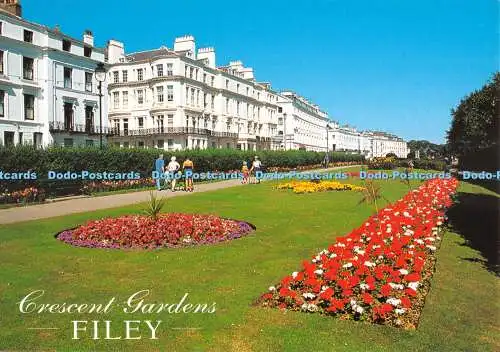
60,159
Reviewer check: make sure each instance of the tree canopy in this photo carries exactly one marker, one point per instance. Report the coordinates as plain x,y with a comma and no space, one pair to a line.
474,126
473,135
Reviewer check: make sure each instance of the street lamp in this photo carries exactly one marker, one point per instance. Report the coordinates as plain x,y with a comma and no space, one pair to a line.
284,130
100,76
327,158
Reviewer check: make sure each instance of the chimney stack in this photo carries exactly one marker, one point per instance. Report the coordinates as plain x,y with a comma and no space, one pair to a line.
88,37
11,6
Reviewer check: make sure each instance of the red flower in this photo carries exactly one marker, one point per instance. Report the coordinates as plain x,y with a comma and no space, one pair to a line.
386,290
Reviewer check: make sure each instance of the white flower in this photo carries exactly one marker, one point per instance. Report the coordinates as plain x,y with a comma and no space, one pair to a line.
304,306
393,301
309,295
324,288
439,223
312,307
318,272
414,285
403,271
396,286
419,241
364,286
353,303
333,255
432,248
359,309
272,288
294,274
399,310
369,264
347,265
406,214
432,239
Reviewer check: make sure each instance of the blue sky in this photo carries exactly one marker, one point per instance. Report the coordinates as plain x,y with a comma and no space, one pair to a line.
394,65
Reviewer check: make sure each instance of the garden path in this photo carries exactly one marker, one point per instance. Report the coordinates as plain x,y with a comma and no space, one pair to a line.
85,204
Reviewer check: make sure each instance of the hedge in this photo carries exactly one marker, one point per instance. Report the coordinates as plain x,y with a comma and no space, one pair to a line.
111,159
390,163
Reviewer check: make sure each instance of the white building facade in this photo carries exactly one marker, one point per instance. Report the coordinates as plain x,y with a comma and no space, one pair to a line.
301,124
48,93
178,98
368,143
384,143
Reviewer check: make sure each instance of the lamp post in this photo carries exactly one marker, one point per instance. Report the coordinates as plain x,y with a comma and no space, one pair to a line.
284,130
327,158
100,76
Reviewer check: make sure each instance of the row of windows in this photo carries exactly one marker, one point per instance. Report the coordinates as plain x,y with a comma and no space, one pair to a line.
9,139
139,95
66,44
28,101
28,66
29,73
140,73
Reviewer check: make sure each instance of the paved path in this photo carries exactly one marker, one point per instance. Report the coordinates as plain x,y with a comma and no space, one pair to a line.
72,206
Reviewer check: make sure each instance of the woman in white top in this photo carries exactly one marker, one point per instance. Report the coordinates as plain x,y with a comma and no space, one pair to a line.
172,168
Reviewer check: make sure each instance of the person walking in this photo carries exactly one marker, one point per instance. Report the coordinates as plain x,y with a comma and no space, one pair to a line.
187,168
160,169
172,169
256,166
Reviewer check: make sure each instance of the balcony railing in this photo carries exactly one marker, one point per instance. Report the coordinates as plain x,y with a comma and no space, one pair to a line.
61,127
174,131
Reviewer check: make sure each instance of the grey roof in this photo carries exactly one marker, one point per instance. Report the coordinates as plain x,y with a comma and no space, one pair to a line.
146,55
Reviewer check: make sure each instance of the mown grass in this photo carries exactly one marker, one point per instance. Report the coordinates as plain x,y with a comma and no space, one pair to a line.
460,313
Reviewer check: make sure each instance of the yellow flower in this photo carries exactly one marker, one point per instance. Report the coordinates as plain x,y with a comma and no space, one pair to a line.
322,186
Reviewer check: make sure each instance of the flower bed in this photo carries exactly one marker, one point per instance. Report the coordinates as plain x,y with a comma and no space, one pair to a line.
169,230
27,195
321,186
380,272
312,167
106,186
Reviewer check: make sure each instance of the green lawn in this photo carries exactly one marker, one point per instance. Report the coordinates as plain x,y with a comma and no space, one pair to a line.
460,313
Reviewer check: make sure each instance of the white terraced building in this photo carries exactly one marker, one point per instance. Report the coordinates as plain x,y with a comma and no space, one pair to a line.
48,93
178,98
301,124
383,143
368,143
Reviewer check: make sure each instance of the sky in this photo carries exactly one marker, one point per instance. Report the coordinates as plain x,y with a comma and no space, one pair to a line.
394,65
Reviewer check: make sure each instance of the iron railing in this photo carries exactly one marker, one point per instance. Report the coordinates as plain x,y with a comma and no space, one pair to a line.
174,131
61,127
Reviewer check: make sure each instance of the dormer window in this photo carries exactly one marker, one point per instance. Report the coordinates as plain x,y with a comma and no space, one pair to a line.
28,36
87,51
66,45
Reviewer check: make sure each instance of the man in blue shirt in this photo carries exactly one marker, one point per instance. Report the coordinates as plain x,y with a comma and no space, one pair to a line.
160,168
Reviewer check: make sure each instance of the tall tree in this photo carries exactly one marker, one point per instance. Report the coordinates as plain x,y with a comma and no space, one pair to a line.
475,123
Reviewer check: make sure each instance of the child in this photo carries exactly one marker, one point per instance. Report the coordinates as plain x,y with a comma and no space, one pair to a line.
244,171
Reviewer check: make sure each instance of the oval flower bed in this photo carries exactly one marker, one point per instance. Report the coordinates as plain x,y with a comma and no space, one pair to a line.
321,186
169,230
380,272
